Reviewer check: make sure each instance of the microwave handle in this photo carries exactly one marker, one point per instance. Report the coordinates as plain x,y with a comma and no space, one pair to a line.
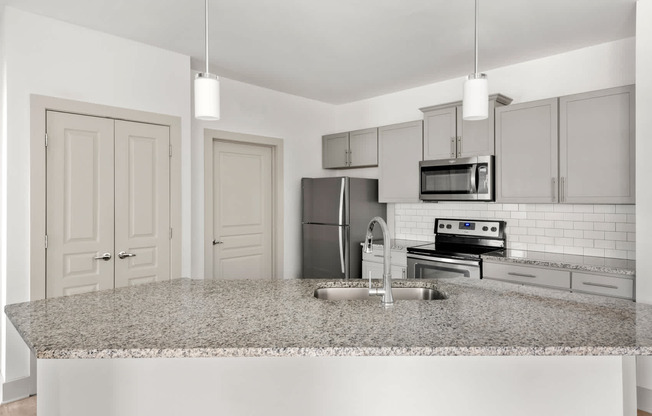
474,179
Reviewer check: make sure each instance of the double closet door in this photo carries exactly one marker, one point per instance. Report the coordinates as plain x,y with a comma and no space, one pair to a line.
108,203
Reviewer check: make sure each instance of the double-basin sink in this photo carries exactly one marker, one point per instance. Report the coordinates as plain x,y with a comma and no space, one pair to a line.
362,293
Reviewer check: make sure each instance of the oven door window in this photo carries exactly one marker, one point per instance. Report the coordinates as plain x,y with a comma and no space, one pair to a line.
433,269
446,180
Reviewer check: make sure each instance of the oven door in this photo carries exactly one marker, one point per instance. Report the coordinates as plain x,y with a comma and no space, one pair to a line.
426,267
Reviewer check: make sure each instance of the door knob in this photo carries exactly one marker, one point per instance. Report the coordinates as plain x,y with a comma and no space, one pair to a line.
105,257
217,242
124,255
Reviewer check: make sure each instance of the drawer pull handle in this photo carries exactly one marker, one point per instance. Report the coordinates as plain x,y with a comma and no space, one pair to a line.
522,275
600,285
378,255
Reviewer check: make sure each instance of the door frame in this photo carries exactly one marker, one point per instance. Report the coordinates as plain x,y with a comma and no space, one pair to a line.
39,105
276,145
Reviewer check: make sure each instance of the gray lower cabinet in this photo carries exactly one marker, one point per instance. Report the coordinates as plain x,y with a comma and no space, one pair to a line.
372,264
613,285
529,275
351,149
596,147
526,152
603,285
447,136
400,151
574,149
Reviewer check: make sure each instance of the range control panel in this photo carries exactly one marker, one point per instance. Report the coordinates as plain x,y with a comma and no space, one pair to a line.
476,228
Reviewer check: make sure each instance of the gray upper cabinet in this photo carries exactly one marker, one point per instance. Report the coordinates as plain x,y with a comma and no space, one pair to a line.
574,149
363,148
350,150
400,150
596,147
447,136
526,152
440,133
335,151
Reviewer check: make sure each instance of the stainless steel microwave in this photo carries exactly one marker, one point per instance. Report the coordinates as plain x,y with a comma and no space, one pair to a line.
462,179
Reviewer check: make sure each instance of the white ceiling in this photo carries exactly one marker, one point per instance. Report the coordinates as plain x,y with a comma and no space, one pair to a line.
339,51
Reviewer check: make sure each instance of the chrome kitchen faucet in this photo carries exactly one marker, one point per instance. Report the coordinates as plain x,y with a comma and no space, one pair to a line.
386,292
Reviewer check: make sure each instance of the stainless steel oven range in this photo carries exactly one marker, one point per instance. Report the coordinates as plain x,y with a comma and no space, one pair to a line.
457,250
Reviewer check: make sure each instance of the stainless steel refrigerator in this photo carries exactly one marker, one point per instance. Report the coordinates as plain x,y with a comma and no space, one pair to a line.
335,215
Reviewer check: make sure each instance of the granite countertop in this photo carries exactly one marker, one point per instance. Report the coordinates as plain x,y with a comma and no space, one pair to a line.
399,244
252,318
626,268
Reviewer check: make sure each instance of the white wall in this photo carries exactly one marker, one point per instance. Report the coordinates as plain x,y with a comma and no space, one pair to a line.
3,183
300,122
52,58
643,170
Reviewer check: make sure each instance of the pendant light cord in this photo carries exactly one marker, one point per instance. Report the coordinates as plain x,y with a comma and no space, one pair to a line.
207,38
476,36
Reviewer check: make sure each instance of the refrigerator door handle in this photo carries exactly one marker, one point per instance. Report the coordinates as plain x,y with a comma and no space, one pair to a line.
341,227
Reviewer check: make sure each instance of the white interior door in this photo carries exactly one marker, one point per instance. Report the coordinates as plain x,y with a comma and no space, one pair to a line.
242,211
80,183
142,208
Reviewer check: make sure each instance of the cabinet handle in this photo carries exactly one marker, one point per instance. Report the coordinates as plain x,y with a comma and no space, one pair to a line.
563,191
350,158
453,147
554,189
403,273
522,275
600,285
459,146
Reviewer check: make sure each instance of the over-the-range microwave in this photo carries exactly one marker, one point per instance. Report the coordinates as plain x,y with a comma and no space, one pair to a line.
461,179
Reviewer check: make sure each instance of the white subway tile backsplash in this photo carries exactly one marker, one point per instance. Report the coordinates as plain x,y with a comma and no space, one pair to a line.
592,230
626,209
626,227
604,209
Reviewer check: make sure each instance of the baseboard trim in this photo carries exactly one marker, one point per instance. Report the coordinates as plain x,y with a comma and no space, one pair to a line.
644,399
17,389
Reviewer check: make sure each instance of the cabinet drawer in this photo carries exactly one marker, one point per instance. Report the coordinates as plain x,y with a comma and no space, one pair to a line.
527,275
375,271
603,285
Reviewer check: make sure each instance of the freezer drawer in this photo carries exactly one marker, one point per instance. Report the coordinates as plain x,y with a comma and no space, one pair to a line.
325,251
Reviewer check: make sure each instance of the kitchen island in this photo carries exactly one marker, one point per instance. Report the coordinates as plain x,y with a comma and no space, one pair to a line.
270,347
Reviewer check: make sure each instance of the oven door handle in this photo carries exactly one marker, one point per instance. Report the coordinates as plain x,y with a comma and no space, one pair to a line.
443,260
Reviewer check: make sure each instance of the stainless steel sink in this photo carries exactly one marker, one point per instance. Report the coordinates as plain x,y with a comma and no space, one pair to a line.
362,293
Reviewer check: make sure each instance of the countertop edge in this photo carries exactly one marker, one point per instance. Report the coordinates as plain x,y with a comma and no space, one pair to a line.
342,352
616,271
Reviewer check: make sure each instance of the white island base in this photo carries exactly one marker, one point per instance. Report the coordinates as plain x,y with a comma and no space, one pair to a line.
339,386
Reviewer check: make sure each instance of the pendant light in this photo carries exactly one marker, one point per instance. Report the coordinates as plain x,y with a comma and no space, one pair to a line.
207,89
476,92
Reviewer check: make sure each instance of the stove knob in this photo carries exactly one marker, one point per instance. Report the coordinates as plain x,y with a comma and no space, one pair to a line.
485,228
494,229
441,225
449,226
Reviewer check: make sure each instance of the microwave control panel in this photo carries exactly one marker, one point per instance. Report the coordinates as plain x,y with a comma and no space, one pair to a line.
476,228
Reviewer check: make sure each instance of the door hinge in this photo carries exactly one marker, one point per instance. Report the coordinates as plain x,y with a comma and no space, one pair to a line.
46,241
170,150
170,233
46,140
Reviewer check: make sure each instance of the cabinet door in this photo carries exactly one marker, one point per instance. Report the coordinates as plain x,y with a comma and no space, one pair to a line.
400,150
476,138
440,134
596,154
363,148
372,270
335,150
526,152
375,271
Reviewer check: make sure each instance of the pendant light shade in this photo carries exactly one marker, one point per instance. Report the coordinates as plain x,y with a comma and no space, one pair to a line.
476,91
207,89
207,96
476,98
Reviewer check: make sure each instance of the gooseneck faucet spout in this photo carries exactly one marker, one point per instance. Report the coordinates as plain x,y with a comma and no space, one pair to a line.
386,292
